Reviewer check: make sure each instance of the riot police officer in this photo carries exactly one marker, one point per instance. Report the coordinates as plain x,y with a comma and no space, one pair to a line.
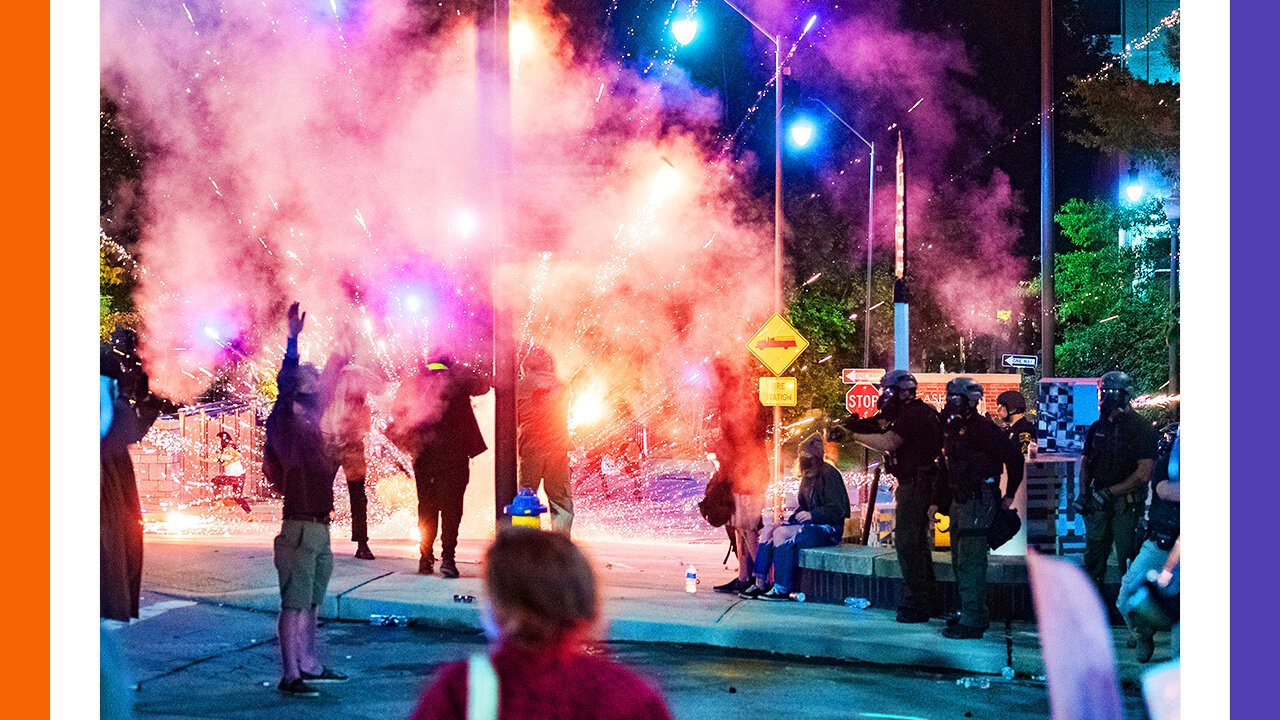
1010,414
1119,457
1163,530
974,449
907,429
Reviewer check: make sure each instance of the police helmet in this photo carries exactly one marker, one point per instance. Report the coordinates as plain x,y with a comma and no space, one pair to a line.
900,379
965,387
1012,401
1116,380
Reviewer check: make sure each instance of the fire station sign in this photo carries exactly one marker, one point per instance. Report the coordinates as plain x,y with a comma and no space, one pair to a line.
777,345
778,391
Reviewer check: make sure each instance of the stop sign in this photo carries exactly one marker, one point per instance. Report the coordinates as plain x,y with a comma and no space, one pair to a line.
861,399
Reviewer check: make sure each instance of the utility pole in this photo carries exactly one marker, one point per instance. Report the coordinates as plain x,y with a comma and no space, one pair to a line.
1048,324
494,109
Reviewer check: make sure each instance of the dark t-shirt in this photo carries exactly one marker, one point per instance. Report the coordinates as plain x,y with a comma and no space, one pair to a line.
1112,449
548,686
1023,433
303,466
921,432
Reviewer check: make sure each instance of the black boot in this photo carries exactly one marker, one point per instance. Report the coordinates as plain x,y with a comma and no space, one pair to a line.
448,569
426,565
363,552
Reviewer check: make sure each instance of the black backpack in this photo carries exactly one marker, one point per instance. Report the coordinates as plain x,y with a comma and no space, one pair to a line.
716,506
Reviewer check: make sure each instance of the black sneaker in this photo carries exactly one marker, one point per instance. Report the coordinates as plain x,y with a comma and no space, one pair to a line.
752,592
1146,647
363,552
325,675
962,632
448,569
733,586
297,688
775,594
908,615
426,566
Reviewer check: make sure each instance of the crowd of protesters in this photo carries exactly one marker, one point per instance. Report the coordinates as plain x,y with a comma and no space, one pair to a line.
542,599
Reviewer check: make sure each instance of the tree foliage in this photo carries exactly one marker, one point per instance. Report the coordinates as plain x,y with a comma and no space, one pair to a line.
1128,115
1113,305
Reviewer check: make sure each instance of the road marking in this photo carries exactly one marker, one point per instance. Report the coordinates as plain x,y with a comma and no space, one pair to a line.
148,611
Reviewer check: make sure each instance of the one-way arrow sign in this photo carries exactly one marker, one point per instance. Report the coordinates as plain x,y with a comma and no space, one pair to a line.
1020,361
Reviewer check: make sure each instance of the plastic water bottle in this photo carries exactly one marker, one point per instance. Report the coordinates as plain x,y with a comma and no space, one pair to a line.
798,596
857,603
981,683
690,579
1007,672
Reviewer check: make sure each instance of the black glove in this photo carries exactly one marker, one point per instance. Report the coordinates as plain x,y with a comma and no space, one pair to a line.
1093,502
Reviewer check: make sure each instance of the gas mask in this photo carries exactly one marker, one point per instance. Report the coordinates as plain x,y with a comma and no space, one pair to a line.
1112,400
957,410
891,401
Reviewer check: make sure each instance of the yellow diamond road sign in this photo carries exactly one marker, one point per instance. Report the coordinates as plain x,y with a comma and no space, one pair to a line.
777,344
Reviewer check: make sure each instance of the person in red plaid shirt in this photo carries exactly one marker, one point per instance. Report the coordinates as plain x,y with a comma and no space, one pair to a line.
543,608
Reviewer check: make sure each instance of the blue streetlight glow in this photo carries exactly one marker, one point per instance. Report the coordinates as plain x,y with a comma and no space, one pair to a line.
684,30
809,25
802,132
1134,190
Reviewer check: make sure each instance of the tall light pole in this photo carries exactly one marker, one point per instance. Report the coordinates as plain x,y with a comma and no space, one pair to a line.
494,64
871,194
776,469
1048,326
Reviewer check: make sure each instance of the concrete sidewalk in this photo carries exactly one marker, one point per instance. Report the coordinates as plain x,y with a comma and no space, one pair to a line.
643,593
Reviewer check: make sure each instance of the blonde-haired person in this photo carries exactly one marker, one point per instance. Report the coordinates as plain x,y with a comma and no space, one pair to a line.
542,611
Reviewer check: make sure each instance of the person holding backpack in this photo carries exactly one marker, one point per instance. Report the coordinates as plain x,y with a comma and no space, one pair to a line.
541,615
735,495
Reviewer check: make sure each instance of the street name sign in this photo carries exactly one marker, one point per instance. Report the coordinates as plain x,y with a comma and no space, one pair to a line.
777,344
1019,361
777,391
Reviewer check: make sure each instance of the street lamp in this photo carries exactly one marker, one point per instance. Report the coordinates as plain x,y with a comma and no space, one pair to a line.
871,194
684,30
1134,190
802,132
685,35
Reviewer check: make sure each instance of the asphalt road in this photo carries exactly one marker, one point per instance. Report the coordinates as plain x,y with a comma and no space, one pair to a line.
193,660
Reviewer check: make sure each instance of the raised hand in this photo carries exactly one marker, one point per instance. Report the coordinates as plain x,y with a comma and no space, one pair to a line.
295,320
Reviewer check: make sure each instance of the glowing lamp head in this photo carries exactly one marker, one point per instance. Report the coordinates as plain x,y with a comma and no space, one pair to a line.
684,30
1134,190
802,133
413,303
809,25
211,332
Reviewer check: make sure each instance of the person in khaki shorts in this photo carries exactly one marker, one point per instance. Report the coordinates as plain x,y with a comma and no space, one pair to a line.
296,464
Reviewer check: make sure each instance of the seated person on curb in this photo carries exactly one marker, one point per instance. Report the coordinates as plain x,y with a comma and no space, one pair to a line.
819,522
